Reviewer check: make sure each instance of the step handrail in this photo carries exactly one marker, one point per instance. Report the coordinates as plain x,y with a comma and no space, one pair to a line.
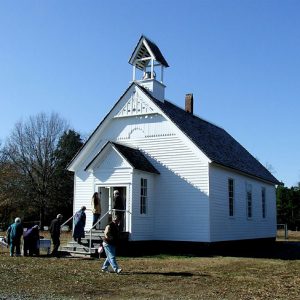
110,211
61,226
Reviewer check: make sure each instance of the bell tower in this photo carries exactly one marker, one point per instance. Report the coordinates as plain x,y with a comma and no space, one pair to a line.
148,67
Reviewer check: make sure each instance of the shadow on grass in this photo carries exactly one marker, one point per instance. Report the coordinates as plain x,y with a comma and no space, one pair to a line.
286,250
278,250
172,274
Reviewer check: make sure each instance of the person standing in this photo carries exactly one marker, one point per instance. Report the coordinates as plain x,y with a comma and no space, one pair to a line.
111,237
79,224
14,233
96,208
31,238
55,234
119,208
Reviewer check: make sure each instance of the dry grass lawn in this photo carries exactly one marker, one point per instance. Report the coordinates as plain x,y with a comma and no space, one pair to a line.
159,277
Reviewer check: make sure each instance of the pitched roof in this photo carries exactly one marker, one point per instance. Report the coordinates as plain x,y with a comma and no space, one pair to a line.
219,146
133,156
140,51
136,158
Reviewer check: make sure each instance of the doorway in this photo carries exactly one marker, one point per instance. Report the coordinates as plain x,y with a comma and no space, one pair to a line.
106,194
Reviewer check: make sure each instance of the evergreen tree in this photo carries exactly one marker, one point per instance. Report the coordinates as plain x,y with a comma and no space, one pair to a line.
63,183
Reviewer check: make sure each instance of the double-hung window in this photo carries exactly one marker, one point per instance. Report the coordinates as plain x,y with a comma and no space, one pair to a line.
231,197
249,200
263,202
144,194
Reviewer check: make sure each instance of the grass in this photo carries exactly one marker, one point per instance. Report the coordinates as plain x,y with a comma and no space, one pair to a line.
159,277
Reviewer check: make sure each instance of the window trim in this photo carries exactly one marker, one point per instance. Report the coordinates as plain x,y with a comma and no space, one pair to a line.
144,197
231,198
263,203
249,204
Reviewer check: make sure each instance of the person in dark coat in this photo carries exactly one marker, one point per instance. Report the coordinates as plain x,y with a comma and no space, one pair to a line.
14,233
55,234
79,224
111,237
31,239
119,208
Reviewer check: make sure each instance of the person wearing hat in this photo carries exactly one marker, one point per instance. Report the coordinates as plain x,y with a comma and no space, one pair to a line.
31,238
14,233
55,234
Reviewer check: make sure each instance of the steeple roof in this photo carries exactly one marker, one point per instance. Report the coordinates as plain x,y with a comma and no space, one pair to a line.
144,51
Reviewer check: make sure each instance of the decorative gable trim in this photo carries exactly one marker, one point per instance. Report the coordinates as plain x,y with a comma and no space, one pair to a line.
136,105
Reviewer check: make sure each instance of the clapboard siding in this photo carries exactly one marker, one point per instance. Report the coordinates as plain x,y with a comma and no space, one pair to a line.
182,186
111,177
224,227
184,163
84,189
142,225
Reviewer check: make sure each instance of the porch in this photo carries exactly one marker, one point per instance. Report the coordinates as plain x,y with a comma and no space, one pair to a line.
93,239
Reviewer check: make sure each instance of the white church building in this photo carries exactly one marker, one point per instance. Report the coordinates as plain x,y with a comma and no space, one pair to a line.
181,177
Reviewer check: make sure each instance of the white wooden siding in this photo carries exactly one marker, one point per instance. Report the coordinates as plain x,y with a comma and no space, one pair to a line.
224,227
113,169
84,189
179,194
180,191
142,225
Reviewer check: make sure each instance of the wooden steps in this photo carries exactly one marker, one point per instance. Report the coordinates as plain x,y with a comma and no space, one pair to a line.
75,249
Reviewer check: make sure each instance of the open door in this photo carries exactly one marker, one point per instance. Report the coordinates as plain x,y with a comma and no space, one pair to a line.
105,205
106,197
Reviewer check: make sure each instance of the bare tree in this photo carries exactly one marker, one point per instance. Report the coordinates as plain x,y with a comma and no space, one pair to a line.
31,149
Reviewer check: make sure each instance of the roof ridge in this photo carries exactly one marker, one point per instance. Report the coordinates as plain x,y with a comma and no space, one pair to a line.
194,115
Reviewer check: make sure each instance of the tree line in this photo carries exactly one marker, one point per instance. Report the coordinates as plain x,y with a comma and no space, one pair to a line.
35,184
288,206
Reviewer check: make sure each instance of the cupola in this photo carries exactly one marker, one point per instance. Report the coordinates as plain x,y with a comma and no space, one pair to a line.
148,67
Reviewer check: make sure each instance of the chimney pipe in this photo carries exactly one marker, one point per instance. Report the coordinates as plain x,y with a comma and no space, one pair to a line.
189,103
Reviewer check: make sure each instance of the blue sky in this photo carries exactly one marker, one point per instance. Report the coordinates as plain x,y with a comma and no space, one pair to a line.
240,59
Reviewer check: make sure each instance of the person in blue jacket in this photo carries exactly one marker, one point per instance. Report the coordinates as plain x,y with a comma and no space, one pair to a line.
14,234
31,239
79,224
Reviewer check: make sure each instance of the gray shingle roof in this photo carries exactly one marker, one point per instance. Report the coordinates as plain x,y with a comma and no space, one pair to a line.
133,156
157,53
140,51
219,146
136,158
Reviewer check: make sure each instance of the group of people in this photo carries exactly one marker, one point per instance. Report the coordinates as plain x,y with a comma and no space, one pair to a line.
111,233
30,237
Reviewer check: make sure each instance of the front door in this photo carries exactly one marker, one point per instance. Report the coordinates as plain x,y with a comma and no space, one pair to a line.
104,200
106,197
